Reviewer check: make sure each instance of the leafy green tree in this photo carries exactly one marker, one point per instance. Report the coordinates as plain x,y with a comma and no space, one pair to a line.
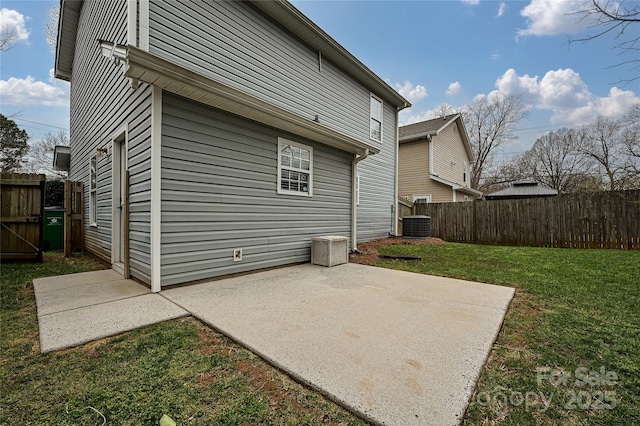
13,145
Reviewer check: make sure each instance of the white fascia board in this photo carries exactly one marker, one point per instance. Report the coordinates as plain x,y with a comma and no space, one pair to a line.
456,186
159,72
446,124
416,137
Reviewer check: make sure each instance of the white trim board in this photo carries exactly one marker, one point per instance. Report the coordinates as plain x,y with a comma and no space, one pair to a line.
156,189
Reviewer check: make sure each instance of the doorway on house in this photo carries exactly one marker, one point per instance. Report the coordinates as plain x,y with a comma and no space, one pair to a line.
118,252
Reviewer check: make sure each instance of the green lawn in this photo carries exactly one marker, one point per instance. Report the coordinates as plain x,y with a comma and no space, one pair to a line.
180,368
569,350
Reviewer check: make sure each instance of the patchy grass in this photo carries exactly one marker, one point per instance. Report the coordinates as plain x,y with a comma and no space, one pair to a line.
575,311
180,368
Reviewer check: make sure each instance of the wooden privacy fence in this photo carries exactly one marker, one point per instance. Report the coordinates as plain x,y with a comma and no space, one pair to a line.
404,209
586,220
21,224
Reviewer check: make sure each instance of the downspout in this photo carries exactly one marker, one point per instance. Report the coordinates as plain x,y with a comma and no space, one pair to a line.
354,206
430,139
394,228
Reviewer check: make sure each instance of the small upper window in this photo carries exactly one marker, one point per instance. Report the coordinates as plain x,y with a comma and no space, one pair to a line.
464,172
295,168
93,186
375,125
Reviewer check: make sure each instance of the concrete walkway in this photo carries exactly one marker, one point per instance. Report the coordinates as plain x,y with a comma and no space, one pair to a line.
79,308
397,347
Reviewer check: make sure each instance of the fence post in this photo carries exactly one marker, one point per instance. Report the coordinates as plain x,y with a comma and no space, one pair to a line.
474,224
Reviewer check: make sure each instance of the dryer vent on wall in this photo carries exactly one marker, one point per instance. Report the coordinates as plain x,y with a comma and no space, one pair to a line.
417,226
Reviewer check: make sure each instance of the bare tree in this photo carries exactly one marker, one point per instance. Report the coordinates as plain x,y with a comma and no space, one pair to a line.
51,26
41,154
631,143
631,135
443,110
503,175
490,124
7,36
556,160
620,18
603,144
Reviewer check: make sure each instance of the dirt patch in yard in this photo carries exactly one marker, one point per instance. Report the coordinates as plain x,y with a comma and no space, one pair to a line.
369,254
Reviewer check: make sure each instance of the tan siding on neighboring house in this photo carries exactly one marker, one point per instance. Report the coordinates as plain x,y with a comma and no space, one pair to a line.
413,178
413,175
440,193
448,149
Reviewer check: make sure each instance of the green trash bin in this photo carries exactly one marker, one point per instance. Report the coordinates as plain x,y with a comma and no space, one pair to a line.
53,228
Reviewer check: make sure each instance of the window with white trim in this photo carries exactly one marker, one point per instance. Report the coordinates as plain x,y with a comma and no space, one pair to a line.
295,168
464,172
422,198
93,192
375,126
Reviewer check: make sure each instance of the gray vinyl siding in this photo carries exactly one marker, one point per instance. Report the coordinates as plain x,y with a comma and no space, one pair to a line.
377,184
219,182
235,44
102,102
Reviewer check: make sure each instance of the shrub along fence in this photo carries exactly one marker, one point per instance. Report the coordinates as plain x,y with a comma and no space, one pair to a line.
608,219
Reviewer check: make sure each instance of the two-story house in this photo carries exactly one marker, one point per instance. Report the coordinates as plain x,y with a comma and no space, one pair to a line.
435,161
216,137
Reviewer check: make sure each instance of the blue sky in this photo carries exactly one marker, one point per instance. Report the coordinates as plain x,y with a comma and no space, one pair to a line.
433,52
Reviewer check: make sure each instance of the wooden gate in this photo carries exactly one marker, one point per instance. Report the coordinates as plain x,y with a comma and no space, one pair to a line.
22,216
73,218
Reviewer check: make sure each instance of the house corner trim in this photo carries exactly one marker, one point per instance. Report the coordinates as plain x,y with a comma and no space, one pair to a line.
156,189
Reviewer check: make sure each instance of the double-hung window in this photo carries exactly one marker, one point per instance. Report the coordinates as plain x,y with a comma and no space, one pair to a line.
375,125
295,168
93,189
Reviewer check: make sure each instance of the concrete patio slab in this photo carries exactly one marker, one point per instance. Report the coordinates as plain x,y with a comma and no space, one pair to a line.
79,308
397,347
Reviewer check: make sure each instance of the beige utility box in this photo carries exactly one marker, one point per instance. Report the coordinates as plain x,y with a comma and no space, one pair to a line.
329,251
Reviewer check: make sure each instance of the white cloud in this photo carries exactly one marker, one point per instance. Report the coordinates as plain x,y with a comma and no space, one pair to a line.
549,17
563,92
618,102
410,92
495,56
454,88
510,83
28,91
562,88
501,9
471,2
12,21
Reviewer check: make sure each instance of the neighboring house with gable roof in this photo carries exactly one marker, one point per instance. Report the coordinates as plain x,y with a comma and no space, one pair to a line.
435,161
243,128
